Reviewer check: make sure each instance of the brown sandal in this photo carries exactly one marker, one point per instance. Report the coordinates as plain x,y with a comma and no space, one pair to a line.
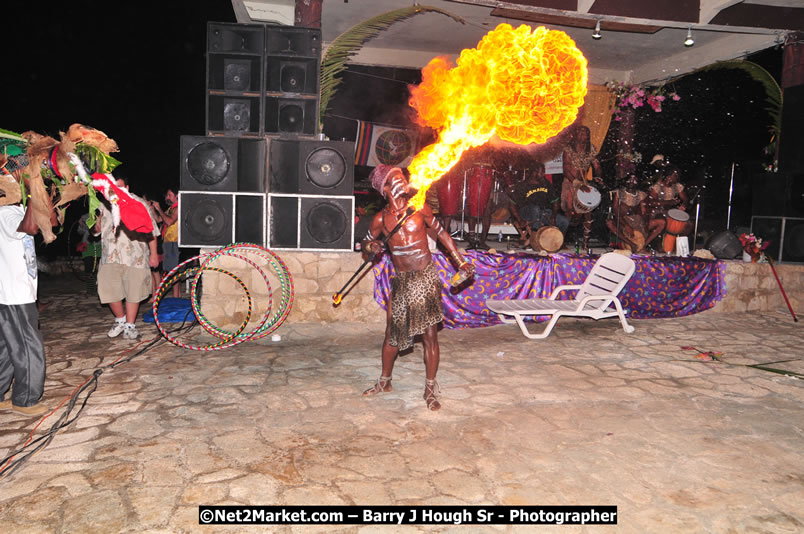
383,385
432,392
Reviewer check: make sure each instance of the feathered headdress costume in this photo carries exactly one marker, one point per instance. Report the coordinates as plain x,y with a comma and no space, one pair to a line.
59,172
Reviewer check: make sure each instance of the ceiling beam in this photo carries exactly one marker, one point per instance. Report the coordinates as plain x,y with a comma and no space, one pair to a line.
761,16
686,11
574,21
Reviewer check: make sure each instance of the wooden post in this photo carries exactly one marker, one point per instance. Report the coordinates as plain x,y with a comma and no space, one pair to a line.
308,13
793,61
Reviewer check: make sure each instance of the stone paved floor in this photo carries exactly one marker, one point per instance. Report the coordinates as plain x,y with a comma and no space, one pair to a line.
590,415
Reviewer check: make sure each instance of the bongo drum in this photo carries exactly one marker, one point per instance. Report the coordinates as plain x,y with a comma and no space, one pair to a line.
676,220
499,202
668,243
450,191
586,201
479,183
547,238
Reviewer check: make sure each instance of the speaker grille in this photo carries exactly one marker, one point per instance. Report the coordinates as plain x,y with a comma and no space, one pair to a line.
326,223
237,74
208,163
325,168
291,118
292,77
794,241
206,219
236,115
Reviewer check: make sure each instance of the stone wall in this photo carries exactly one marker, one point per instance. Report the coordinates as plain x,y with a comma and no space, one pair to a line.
752,287
317,276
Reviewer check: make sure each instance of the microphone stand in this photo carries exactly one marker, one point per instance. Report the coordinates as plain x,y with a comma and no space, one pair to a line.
697,209
463,205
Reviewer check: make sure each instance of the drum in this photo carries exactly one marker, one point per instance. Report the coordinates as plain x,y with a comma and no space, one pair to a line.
669,243
499,202
586,201
479,183
450,193
676,220
547,238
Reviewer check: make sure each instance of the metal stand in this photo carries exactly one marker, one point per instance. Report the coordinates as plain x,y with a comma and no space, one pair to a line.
463,206
731,190
698,208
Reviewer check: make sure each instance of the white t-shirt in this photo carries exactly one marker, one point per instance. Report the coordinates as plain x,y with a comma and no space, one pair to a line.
17,259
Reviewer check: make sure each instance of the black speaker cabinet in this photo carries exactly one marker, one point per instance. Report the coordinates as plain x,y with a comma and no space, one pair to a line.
228,72
234,116
311,167
292,75
291,116
292,41
209,219
791,140
785,236
310,222
239,38
234,164
778,194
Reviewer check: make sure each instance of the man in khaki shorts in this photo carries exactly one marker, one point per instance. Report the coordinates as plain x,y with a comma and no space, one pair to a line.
125,269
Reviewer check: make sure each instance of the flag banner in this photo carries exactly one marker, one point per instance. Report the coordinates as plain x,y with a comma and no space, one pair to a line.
388,145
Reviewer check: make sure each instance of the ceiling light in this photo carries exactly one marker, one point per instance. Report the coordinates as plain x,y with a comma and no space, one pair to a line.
597,34
689,41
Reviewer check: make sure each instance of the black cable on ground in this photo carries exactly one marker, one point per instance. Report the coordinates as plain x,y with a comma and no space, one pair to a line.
17,458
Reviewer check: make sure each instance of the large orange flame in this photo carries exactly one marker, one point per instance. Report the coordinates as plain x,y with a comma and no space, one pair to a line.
524,86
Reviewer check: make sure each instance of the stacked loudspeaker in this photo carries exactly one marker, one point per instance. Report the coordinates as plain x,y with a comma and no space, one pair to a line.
262,173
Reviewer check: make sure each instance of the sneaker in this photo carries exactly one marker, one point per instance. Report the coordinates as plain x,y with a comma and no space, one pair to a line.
36,409
117,329
130,332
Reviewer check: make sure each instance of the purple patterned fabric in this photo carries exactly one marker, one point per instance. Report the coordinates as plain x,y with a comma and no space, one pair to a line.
660,287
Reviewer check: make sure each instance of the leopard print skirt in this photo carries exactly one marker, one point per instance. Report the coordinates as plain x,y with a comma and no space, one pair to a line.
415,304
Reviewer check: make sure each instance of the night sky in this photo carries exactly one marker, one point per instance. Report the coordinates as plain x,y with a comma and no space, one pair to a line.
135,70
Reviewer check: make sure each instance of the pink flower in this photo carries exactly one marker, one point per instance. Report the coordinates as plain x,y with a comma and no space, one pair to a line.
660,98
675,97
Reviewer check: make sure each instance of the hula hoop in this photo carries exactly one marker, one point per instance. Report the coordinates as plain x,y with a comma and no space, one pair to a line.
267,324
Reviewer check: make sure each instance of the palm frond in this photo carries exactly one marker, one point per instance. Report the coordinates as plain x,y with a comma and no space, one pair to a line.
343,47
773,93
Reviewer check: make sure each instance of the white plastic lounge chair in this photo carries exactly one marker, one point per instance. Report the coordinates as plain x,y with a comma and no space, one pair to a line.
594,298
